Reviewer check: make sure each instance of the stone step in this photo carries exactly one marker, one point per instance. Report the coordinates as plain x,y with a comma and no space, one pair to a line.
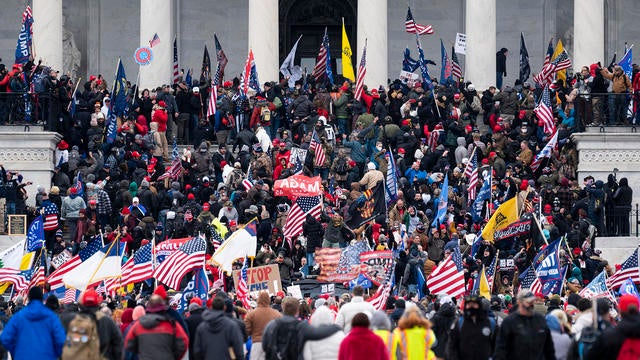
612,129
21,128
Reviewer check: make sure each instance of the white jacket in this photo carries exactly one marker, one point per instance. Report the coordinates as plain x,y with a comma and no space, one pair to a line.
325,349
349,310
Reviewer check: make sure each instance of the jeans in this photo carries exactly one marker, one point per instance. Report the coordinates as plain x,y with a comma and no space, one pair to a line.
499,80
323,172
342,125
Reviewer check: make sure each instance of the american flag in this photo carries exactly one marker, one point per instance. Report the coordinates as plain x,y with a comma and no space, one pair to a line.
298,214
190,256
55,279
139,267
222,59
540,77
19,278
629,269
216,239
491,271
545,152
321,61
471,173
79,185
545,112
456,70
561,62
412,27
379,299
247,184
316,146
155,40
173,171
597,288
27,13
362,72
50,216
70,296
434,138
176,65
242,291
530,281
448,277
445,74
213,97
249,75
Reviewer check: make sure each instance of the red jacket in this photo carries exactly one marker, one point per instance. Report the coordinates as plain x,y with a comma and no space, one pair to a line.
362,343
160,116
154,336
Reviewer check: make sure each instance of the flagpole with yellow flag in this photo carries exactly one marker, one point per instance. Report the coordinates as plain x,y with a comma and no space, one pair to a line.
483,288
562,74
347,66
505,214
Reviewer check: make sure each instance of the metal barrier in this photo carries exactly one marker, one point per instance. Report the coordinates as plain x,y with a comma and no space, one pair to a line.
606,109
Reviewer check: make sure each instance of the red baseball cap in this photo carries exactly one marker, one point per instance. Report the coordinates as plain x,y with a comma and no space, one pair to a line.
628,300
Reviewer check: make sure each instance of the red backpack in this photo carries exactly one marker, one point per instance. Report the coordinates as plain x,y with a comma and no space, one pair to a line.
630,349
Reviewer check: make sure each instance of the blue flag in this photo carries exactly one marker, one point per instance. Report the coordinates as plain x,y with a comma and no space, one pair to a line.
329,70
628,288
188,78
445,70
548,269
35,235
197,287
483,195
409,64
420,283
442,203
25,38
626,63
426,78
391,185
362,281
119,103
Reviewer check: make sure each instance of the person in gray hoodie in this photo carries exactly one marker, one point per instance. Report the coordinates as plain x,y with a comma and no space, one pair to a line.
461,151
217,336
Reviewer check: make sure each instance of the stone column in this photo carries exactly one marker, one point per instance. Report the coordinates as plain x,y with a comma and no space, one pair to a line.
263,38
480,28
588,32
156,16
372,27
47,32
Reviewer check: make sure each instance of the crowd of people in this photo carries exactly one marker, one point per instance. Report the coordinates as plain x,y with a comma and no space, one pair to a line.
118,189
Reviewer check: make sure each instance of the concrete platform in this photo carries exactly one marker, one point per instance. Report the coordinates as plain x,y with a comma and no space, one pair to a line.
617,249
612,129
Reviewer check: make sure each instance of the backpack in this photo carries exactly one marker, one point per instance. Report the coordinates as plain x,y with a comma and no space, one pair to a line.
265,115
588,337
630,349
284,343
38,80
149,141
82,341
341,166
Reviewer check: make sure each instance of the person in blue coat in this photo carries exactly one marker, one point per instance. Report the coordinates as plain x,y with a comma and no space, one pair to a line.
35,332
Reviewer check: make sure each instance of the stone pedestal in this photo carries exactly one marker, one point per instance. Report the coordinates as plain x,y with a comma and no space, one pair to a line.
480,58
600,153
32,155
263,38
156,16
47,32
372,27
588,33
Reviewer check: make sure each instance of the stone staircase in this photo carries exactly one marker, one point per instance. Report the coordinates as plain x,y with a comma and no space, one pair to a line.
617,249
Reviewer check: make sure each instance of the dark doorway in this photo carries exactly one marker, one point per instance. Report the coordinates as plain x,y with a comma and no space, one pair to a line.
309,18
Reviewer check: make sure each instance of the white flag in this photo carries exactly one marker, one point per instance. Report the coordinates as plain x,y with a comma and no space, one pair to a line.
288,69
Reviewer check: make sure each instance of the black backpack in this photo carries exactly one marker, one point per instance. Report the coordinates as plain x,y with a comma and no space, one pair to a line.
284,343
341,166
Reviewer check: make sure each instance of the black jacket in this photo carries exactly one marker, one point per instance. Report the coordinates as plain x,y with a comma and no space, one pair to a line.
305,332
216,336
501,62
314,232
610,341
193,321
524,338
472,340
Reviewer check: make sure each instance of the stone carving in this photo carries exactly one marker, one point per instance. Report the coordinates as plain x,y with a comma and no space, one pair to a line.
24,155
609,156
71,54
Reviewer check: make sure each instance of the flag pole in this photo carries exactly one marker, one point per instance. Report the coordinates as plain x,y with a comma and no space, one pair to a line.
74,93
115,241
153,256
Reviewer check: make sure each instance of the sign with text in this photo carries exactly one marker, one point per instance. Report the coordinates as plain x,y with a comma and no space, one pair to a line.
408,78
17,225
297,185
261,278
461,44
61,258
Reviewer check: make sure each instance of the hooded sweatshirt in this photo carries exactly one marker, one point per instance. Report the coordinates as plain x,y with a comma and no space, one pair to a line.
217,336
325,348
257,319
155,336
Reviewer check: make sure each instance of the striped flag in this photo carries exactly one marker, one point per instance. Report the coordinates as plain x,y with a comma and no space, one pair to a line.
545,152
213,97
190,256
173,171
541,78
561,62
222,60
529,280
55,278
597,288
448,277
249,75
412,27
247,184
471,173
545,112
303,205
176,65
50,216
139,267
491,271
155,40
70,296
391,185
379,299
362,72
320,70
19,278
242,292
456,70
629,269
315,145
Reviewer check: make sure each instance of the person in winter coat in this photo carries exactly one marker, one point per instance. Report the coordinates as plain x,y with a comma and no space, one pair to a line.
313,231
70,211
561,340
193,321
442,322
325,349
622,198
362,343
35,332
611,342
256,321
501,66
161,117
355,306
469,338
413,337
337,234
218,337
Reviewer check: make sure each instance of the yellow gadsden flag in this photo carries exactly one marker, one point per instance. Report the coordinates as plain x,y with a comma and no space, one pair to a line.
506,214
562,74
484,287
347,67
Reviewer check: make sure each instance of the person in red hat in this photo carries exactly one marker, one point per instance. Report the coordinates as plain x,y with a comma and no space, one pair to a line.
156,334
623,340
160,116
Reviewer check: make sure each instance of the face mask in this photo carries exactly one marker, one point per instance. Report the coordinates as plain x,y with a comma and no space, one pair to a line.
413,113
471,312
379,148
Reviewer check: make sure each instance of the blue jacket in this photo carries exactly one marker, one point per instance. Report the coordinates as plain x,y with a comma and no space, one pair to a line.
35,332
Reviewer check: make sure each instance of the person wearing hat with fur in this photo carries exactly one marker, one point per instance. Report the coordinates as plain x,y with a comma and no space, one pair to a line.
156,335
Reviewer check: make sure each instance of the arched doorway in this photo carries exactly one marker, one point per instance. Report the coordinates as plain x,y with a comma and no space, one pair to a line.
309,19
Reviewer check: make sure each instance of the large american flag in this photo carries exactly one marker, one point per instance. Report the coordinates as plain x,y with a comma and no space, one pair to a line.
19,278
412,27
379,299
448,277
190,256
50,217
242,291
456,70
540,77
139,267
321,61
545,112
471,173
362,72
316,146
55,279
176,65
546,152
629,269
298,214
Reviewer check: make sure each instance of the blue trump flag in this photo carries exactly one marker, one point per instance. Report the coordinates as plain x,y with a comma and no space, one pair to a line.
548,268
626,63
119,103
391,185
362,281
442,203
445,70
35,235
188,78
197,287
426,78
483,195
25,38
628,288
